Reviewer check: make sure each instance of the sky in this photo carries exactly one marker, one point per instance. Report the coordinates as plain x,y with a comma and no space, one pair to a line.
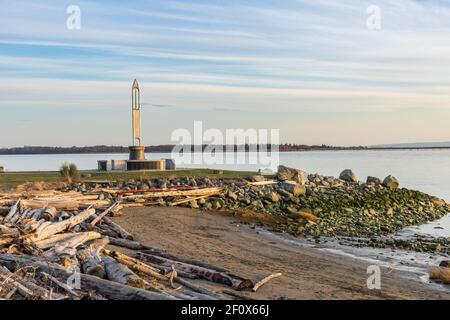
319,71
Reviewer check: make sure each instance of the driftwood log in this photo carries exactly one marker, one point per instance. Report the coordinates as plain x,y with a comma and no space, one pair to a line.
109,289
263,281
27,287
120,273
135,264
60,284
104,213
118,229
201,272
49,214
177,193
90,258
48,229
166,255
124,243
70,240
4,230
48,235
62,204
12,211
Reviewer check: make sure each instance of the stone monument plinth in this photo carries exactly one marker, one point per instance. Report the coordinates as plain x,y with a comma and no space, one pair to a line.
137,152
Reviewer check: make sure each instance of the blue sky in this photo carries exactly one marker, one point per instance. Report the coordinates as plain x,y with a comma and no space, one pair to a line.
309,68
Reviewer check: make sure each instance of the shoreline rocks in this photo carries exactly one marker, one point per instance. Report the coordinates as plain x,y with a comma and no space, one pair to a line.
293,189
290,174
348,175
341,208
391,182
373,180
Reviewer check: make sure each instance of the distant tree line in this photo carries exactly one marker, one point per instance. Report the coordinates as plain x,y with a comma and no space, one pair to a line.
168,148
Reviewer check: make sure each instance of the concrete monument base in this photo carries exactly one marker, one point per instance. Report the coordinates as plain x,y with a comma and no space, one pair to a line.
137,152
135,165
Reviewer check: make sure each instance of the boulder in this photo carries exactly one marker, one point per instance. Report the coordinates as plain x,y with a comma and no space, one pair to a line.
162,183
390,182
142,186
257,204
192,182
373,180
170,164
245,200
290,174
293,188
348,175
272,197
232,195
151,184
284,193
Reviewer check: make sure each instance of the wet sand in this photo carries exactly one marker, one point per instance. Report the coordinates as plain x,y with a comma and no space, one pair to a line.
308,273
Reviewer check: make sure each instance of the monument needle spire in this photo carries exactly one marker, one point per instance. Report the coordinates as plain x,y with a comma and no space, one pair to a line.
136,113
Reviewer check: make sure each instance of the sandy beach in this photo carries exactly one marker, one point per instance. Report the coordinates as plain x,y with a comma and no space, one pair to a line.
308,273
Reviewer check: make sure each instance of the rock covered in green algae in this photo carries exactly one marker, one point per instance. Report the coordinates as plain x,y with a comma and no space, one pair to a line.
390,182
348,175
419,243
373,180
352,209
344,208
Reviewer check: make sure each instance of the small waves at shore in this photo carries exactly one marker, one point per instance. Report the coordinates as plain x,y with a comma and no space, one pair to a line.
409,264
438,228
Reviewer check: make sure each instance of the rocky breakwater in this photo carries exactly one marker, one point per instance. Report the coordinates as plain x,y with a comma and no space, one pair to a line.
361,213
315,205
344,206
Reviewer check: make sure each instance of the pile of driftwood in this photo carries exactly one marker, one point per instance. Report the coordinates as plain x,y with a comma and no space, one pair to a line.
66,246
104,197
171,197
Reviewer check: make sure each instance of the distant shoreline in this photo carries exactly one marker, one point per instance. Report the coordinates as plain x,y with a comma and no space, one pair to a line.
166,149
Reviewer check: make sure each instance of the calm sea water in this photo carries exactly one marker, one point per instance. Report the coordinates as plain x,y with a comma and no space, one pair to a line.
424,170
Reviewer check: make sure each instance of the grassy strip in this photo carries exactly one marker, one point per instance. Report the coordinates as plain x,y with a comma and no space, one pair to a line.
13,179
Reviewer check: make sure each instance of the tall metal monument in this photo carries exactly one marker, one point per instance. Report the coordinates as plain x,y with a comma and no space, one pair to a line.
137,160
136,150
136,113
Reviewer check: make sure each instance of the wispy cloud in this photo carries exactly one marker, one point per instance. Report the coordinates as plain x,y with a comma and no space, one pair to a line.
291,56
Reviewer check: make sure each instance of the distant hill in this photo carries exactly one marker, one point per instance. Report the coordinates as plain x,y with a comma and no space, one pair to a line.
445,144
168,148
161,148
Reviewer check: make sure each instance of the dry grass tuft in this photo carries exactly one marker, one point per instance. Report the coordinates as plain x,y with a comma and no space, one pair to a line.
69,172
441,274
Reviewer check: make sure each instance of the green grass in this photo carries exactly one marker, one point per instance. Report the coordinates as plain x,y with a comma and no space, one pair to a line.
12,179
